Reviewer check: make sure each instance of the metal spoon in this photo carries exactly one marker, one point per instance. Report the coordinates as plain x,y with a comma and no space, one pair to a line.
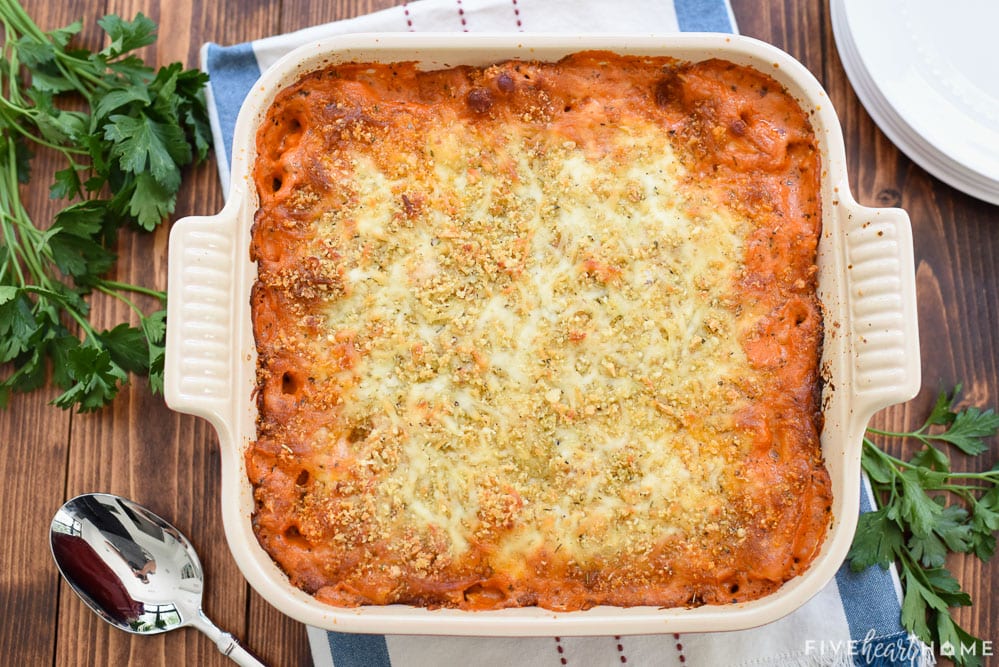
134,569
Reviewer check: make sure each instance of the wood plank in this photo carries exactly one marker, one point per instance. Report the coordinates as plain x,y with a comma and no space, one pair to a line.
298,14
34,439
138,448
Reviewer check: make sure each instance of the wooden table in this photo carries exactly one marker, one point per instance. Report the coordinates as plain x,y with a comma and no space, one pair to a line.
169,462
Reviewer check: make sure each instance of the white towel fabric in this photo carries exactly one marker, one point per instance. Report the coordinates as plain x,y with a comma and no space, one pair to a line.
853,621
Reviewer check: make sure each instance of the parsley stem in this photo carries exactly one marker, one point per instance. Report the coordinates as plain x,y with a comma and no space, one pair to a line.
117,294
25,24
28,252
963,492
95,80
67,151
912,568
137,289
84,325
894,434
877,451
121,297
991,475
9,236
67,307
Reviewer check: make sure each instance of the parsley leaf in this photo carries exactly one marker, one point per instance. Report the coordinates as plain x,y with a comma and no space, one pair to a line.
951,532
142,144
127,347
968,430
154,328
915,507
117,98
148,201
96,378
127,35
878,540
74,241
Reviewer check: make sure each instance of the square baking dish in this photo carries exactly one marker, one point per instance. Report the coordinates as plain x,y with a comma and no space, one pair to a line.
866,284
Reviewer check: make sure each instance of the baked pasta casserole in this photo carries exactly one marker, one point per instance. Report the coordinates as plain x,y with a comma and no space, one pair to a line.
538,333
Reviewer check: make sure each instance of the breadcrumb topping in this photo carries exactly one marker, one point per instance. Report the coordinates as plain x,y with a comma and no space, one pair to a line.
513,348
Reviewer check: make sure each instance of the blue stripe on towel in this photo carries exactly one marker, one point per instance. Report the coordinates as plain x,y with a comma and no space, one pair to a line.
703,16
350,650
877,611
233,71
873,612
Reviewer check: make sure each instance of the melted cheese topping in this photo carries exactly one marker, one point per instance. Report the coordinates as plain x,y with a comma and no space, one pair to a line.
555,346
512,357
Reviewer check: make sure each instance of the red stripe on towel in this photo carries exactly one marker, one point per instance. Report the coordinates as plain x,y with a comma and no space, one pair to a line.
409,19
561,651
679,648
620,649
516,14
461,15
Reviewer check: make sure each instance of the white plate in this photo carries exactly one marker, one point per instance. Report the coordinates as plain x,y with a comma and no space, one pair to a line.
925,72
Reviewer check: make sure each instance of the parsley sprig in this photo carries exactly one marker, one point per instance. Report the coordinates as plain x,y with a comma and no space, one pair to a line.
122,131
928,510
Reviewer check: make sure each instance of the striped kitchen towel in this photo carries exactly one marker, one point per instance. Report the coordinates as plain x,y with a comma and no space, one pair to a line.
234,69
853,621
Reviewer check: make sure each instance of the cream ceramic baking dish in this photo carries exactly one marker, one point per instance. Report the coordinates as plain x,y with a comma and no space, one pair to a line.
866,285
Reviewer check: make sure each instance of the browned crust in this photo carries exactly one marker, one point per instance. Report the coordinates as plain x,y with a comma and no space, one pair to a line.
735,129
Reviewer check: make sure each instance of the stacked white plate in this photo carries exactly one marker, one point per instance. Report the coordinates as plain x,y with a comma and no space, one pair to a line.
927,71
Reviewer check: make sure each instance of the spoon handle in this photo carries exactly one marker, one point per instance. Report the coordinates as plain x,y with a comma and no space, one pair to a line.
228,645
225,642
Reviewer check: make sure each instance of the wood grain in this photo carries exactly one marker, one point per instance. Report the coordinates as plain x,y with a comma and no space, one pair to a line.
34,445
170,462
35,441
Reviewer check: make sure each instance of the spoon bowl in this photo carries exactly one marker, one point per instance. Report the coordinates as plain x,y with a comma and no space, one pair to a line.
134,569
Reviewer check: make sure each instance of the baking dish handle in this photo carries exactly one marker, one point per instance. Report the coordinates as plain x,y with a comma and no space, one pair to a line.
880,274
199,340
